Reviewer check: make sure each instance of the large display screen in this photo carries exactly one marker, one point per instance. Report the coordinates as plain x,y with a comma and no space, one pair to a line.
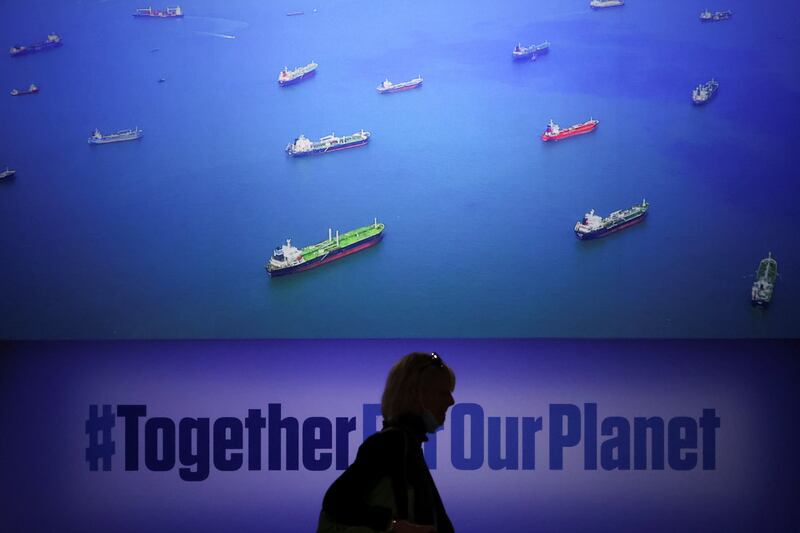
168,235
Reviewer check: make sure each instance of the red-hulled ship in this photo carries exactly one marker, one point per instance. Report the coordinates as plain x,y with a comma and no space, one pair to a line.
555,133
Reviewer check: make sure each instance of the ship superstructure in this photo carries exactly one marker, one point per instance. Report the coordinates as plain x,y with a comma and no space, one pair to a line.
593,226
288,259
168,12
288,77
303,146
532,51
704,92
554,132
53,41
766,275
389,87
122,135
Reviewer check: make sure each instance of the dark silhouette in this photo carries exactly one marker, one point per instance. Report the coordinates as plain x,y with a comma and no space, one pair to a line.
389,487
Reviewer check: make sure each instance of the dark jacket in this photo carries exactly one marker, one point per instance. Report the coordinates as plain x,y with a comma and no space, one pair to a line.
392,457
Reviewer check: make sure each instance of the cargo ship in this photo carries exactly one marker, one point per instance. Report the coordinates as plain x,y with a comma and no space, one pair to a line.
166,13
53,41
708,16
704,92
555,133
287,259
598,4
288,77
766,275
122,135
7,173
330,143
32,89
593,226
531,51
389,87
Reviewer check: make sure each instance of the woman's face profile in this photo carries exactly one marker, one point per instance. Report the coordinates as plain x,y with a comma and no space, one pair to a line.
437,396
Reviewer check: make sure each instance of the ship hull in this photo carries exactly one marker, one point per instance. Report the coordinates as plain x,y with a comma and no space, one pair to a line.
399,89
298,79
608,231
109,141
354,144
24,93
533,54
571,133
333,256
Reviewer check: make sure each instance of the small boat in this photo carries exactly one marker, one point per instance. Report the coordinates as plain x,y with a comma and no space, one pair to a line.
7,173
162,80
294,13
32,89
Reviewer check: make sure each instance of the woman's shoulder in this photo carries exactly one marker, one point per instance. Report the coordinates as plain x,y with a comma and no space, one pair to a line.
384,444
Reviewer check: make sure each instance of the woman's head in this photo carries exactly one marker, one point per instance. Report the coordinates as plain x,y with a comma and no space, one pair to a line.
417,383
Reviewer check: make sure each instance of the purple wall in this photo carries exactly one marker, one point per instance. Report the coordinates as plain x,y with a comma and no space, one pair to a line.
46,390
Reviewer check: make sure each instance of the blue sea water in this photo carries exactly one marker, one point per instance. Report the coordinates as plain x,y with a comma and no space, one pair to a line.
167,237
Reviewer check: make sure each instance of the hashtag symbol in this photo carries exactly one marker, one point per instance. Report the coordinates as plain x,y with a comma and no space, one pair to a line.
100,426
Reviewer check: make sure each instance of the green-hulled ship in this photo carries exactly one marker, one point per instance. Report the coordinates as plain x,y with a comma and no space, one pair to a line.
288,259
765,281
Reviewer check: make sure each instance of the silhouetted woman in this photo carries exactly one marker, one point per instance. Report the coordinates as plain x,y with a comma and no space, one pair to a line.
389,487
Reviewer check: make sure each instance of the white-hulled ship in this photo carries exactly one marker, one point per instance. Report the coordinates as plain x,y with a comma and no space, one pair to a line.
7,173
389,87
167,13
704,92
708,16
597,4
767,274
303,146
122,135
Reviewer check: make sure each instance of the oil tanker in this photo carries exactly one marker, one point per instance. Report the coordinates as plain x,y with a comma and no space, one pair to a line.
288,259
298,74
303,146
555,133
767,274
53,41
593,226
388,87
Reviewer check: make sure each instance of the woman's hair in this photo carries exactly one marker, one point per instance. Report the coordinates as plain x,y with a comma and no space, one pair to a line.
406,381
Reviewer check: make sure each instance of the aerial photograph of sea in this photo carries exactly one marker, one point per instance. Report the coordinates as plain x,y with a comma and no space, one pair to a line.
361,169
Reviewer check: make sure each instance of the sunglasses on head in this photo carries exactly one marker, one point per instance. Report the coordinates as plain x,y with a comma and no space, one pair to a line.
435,360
